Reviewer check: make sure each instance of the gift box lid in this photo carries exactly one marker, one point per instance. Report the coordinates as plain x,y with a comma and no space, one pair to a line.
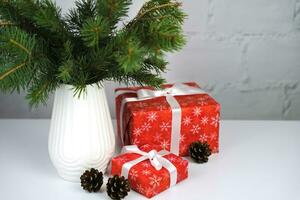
160,103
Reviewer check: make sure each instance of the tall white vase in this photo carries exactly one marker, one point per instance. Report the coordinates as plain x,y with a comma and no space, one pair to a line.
81,132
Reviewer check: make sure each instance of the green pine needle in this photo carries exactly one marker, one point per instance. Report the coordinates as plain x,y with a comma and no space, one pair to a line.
130,55
93,30
40,48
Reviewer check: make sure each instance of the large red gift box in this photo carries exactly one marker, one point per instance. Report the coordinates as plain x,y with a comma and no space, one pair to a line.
144,178
149,121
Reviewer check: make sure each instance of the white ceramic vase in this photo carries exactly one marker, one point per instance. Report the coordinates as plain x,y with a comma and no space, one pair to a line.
81,132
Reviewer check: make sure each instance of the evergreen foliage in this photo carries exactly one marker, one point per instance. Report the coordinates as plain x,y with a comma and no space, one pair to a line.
40,48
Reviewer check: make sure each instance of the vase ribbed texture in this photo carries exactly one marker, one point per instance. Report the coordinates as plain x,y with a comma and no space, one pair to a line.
81,132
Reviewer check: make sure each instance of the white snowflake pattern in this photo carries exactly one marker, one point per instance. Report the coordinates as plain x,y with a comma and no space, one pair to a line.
197,111
182,138
201,99
136,141
190,98
146,172
213,136
183,149
146,126
182,162
205,98
140,188
157,137
203,137
146,165
202,103
215,120
137,131
149,191
133,174
164,144
155,180
204,120
161,107
195,129
186,121
152,116
165,126
146,146
141,105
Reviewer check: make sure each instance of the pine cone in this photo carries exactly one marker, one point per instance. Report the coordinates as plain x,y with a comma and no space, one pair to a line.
200,152
117,187
92,180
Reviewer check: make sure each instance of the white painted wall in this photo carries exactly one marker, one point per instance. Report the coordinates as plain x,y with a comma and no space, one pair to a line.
247,53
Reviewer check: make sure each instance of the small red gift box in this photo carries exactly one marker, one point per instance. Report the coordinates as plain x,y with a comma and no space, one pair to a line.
149,173
169,119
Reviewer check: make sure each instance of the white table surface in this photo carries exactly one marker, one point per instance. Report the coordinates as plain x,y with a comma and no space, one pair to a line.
257,160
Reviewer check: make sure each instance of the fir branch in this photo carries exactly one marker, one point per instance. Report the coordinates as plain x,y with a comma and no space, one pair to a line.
131,54
142,13
49,17
18,66
12,70
17,44
40,89
76,18
93,30
113,10
40,49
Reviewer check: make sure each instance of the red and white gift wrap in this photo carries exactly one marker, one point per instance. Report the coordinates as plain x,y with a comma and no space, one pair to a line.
149,172
169,119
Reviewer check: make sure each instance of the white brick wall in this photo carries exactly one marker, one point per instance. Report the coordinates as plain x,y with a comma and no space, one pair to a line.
255,16
246,53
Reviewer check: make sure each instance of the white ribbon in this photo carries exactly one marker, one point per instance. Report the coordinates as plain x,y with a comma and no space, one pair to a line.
177,89
156,159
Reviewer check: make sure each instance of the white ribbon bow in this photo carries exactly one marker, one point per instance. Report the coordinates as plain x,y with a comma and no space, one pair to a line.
156,159
178,89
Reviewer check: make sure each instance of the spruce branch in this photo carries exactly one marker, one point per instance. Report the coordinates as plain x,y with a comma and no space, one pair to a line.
93,30
48,16
113,10
40,89
13,69
40,49
143,12
18,66
22,47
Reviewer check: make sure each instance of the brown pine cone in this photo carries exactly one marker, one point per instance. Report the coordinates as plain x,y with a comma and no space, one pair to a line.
200,152
117,187
92,180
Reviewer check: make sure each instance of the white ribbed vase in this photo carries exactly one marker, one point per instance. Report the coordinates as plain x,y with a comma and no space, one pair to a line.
81,132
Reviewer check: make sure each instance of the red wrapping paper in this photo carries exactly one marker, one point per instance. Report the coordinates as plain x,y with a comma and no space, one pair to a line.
144,178
148,122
